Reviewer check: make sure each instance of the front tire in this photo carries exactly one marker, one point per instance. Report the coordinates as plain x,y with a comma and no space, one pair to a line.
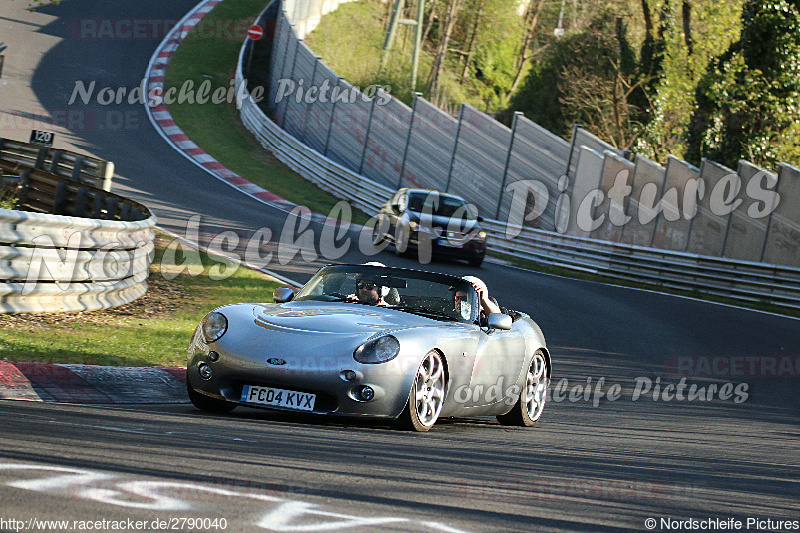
475,261
206,403
530,404
401,239
427,395
379,232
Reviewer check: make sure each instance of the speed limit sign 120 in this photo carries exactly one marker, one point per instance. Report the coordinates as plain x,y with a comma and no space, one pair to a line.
42,138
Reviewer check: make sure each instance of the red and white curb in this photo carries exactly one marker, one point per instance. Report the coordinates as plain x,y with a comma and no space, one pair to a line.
165,125
44,382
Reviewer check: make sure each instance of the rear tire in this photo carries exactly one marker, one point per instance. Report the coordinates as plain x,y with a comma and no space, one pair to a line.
530,404
208,404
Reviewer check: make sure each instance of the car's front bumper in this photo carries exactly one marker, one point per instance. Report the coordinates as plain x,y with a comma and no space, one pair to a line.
315,372
442,248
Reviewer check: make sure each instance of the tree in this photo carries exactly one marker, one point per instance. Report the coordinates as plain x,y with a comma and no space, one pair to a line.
651,64
587,77
471,50
445,33
597,89
532,16
686,13
748,102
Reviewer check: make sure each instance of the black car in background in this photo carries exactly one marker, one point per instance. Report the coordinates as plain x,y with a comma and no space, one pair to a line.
417,218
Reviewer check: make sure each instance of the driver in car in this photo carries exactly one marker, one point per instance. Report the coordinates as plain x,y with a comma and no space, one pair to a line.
368,292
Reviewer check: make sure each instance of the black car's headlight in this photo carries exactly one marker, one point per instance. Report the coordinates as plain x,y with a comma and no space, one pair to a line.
377,350
214,326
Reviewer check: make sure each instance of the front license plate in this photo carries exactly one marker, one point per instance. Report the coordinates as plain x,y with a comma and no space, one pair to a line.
278,397
449,244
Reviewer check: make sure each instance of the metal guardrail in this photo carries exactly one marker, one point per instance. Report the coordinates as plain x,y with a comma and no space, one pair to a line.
93,254
742,280
44,192
730,278
62,163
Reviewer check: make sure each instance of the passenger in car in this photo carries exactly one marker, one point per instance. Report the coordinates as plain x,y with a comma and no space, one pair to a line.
461,303
488,304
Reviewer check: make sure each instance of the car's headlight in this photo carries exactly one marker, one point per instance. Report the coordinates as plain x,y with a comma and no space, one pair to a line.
413,225
214,326
377,350
482,235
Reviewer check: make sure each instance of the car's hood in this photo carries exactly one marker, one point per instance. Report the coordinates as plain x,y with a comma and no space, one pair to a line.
336,318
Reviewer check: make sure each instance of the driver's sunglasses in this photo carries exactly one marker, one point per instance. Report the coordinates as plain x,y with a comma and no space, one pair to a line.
368,285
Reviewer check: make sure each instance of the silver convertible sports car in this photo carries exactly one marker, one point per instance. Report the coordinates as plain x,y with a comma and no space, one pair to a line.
372,341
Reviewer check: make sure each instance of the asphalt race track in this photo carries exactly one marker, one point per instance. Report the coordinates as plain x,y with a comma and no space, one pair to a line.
617,444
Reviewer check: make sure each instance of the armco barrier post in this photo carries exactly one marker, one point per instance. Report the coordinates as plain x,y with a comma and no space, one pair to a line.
455,147
508,161
108,175
366,135
417,96
571,148
333,117
291,77
284,63
311,104
275,66
283,66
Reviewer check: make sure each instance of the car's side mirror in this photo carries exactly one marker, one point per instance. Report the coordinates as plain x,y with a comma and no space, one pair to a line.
500,321
282,295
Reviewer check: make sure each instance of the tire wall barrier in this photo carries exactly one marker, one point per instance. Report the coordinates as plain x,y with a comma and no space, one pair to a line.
95,253
354,151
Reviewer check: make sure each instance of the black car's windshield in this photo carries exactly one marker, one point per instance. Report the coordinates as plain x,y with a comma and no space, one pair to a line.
427,294
440,205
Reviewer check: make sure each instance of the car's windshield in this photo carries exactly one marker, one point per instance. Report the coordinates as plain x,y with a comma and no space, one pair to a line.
427,294
440,205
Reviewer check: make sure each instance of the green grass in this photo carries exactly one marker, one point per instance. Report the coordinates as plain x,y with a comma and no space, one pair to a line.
7,198
217,128
152,331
